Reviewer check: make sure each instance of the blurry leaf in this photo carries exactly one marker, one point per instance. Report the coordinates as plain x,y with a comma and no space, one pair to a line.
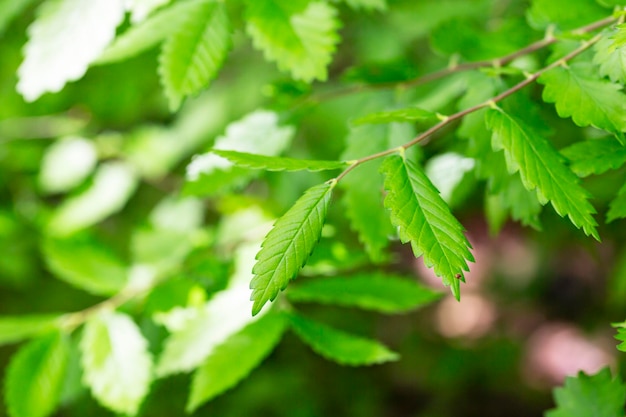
113,184
299,35
289,244
338,346
542,13
612,60
275,163
34,378
597,395
197,332
413,115
116,362
541,168
596,156
149,33
611,3
372,291
66,164
235,358
85,264
446,172
257,133
367,4
181,214
619,38
523,204
17,328
617,206
162,249
577,93
140,9
425,220
192,56
9,10
53,56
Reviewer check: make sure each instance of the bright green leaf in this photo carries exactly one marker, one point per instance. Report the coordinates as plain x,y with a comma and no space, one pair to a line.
596,156
617,207
275,163
563,13
619,38
621,336
34,378
52,55
140,9
425,220
367,4
9,10
612,60
411,115
597,395
541,168
234,359
192,56
116,362
338,346
16,328
66,164
289,244
376,291
299,35
589,101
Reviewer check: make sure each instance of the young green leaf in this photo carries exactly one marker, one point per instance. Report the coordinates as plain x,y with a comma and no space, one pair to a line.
275,163
596,156
411,115
617,207
589,101
149,33
543,13
374,291
35,375
234,359
596,395
338,346
619,38
367,4
425,220
621,336
289,244
16,328
58,26
541,168
612,61
299,35
116,362
192,56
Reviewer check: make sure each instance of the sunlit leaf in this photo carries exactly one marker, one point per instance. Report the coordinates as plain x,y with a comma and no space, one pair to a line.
16,328
140,9
275,163
543,13
289,244
339,346
612,61
66,164
594,157
412,115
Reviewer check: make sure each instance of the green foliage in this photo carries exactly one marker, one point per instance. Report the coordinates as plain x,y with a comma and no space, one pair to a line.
594,157
273,163
617,207
596,395
542,13
402,115
16,328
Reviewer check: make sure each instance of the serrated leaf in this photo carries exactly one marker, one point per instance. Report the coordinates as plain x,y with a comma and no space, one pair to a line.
193,55
299,35
425,220
587,100
597,395
85,264
541,168
234,359
16,328
149,33
596,156
523,204
34,378
612,60
617,207
408,115
619,38
9,10
621,336
258,133
543,13
376,291
52,55
367,4
116,362
289,244
275,163
338,346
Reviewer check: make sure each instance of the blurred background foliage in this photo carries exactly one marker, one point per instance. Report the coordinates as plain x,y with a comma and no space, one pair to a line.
537,305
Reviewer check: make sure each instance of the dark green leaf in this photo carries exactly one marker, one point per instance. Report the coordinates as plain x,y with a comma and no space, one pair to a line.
617,207
596,156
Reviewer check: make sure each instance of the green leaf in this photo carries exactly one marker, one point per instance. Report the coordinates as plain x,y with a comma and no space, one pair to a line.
140,9
541,168
17,328
9,10
367,4
300,35
234,359
412,115
425,220
523,205
617,207
338,346
376,291
612,60
621,336
192,56
587,100
275,163
85,264
619,38
596,156
35,375
289,244
597,395
58,26
116,362
149,33
66,164
563,13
